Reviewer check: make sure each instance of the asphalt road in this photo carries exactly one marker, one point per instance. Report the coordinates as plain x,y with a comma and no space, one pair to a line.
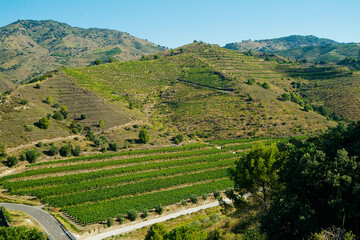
48,223
153,221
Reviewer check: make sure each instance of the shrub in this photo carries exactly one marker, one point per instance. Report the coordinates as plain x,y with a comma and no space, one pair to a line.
24,101
307,107
22,157
184,202
156,232
156,57
178,138
109,221
284,97
132,214
11,161
76,151
97,62
76,128
65,150
56,105
145,213
251,81
144,136
159,209
204,196
120,218
58,116
44,123
194,199
53,151
266,85
32,155
216,194
113,147
49,100
29,128
101,123
90,135
37,86
83,116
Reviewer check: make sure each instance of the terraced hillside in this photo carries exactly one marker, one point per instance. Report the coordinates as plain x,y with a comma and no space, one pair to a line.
92,188
202,90
29,48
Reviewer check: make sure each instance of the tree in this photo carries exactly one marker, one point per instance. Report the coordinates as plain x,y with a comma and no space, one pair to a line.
76,151
44,123
186,232
132,215
159,209
24,101
178,138
32,155
97,62
65,150
120,218
266,85
109,221
22,232
49,100
284,97
145,213
157,231
113,147
64,111
251,81
321,186
83,116
11,161
255,173
58,116
53,151
101,123
307,108
144,136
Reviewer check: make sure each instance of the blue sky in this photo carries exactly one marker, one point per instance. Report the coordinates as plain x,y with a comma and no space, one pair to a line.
173,23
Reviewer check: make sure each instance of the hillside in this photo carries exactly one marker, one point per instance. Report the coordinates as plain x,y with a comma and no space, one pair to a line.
29,48
279,44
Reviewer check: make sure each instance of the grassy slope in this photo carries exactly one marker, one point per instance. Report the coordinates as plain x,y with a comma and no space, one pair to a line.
215,104
30,48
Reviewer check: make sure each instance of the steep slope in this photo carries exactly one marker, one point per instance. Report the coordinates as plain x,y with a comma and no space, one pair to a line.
201,90
283,43
29,48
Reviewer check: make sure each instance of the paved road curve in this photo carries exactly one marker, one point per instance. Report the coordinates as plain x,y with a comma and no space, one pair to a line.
48,223
152,221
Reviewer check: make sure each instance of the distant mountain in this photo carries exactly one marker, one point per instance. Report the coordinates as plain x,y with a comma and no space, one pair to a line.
29,48
283,43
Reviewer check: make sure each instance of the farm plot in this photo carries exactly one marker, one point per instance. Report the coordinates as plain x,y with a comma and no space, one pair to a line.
122,181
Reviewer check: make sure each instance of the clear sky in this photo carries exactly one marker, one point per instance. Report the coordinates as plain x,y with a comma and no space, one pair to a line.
173,23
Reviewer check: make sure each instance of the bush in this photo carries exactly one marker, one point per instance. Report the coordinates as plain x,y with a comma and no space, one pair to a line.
132,215
76,151
11,161
216,194
178,138
266,85
83,116
97,62
24,101
44,123
284,97
32,155
307,107
109,221
39,144
204,196
37,86
29,128
56,105
251,81
184,202
64,111
113,147
101,123
194,199
159,209
156,232
58,116
49,100
90,135
22,157
76,128
65,150
145,213
144,136
120,218
53,151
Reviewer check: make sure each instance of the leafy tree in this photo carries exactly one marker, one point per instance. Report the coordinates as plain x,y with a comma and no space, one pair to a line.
11,161
307,108
321,186
255,173
83,116
90,135
76,128
144,136
266,85
65,150
113,147
284,97
216,194
194,199
251,81
120,218
97,62
186,232
101,123
37,86
157,231
178,138
56,105
145,213
156,56
14,233
109,221
132,214
49,100
53,151
32,155
44,123
58,116
64,111
110,60
159,209
24,101
76,151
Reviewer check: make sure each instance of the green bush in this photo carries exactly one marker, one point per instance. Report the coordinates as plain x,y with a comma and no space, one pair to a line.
44,123
76,151
113,147
58,116
178,138
251,81
65,150
83,116
97,62
11,161
49,100
159,209
144,136
101,123
53,151
145,213
194,199
109,221
120,218
204,196
266,85
32,155
216,194
132,215
24,101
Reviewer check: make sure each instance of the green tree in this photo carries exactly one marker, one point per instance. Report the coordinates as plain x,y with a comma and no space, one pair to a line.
144,136
159,209
132,214
101,123
65,150
44,123
113,147
284,97
97,62
186,232
145,213
53,151
64,111
307,108
11,161
58,116
251,81
156,232
109,221
32,155
255,173
178,139
266,85
120,218
76,151
49,100
14,233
